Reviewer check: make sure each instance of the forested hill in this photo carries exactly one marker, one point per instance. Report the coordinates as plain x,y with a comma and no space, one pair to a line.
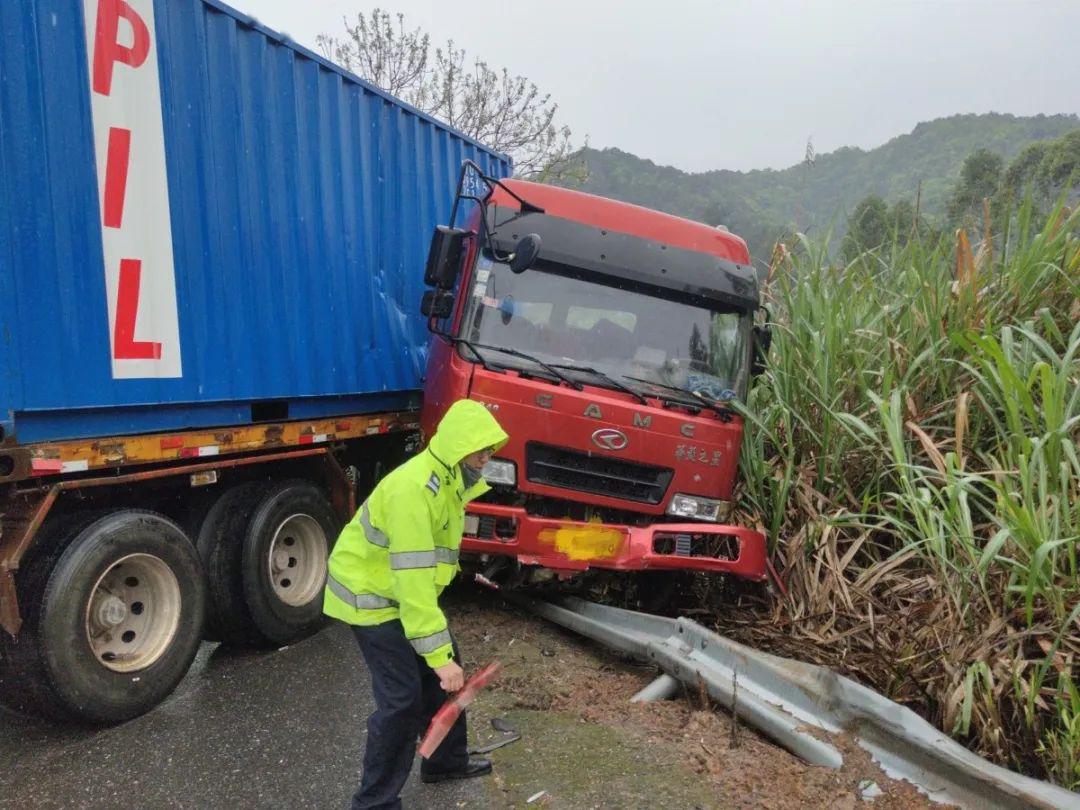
762,204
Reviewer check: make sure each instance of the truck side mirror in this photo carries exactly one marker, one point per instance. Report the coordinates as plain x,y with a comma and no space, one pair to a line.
437,304
528,247
762,340
444,257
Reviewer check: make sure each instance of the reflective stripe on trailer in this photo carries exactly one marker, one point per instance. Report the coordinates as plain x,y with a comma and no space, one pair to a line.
196,452
50,466
81,455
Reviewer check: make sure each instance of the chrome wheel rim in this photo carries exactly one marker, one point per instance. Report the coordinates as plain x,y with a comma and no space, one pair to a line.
297,560
133,613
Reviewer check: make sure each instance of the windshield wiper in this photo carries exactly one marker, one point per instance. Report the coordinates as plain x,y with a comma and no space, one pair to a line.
488,366
640,397
711,404
516,353
726,413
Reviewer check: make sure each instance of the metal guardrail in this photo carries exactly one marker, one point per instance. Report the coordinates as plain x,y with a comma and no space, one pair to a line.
788,700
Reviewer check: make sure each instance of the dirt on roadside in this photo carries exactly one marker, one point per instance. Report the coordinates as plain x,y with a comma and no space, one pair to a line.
584,745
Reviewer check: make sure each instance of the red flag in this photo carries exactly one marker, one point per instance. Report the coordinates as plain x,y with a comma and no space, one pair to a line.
452,709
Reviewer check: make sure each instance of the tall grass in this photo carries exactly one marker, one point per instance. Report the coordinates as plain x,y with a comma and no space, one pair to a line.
912,453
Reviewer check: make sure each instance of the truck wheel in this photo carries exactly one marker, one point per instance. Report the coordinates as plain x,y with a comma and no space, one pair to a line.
219,540
112,623
286,549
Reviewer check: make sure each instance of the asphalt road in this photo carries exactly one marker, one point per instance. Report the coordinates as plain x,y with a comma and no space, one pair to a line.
283,728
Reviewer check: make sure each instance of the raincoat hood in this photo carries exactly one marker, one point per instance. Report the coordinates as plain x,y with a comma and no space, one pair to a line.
467,426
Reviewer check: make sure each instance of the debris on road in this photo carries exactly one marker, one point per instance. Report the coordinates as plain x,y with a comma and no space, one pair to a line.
487,749
445,718
498,724
869,790
585,745
487,583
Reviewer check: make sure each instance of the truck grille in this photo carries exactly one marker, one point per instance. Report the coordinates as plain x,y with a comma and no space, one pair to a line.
600,475
714,546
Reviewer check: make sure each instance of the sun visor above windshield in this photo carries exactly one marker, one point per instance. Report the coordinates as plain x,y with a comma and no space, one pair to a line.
625,261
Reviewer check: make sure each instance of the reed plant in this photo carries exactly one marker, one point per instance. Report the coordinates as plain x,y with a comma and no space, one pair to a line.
911,452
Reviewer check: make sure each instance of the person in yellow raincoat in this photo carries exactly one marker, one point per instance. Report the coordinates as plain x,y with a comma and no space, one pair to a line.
386,572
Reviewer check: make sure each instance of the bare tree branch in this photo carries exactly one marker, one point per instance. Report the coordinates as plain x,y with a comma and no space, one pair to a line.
506,112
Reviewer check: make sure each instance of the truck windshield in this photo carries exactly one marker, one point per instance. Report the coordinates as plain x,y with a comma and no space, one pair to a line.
620,333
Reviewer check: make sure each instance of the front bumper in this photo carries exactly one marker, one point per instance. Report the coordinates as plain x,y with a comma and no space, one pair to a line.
567,545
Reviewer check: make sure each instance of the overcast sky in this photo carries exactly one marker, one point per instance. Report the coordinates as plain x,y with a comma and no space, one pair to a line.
723,84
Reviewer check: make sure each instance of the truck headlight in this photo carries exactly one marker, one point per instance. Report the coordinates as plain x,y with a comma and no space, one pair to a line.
497,471
698,508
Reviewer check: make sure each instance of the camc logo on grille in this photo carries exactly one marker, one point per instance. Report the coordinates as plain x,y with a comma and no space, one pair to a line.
610,439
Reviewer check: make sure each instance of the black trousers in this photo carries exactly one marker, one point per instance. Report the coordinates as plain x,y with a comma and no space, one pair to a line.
407,695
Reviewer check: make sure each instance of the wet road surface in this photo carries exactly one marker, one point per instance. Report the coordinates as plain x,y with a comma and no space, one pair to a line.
283,728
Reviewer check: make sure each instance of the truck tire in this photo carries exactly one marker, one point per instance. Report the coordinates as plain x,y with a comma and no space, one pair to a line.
220,540
113,614
286,549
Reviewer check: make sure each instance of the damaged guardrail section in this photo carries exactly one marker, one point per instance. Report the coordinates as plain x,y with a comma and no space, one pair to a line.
787,699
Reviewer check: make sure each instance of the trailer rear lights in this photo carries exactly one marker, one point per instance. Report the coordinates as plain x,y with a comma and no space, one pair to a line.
499,472
697,508
711,546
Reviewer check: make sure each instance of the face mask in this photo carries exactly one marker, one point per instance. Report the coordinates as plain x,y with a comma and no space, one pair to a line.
469,475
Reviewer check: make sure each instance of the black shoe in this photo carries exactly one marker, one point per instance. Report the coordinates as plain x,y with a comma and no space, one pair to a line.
477,766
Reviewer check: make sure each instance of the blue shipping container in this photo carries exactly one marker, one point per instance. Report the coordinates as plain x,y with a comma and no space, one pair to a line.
199,218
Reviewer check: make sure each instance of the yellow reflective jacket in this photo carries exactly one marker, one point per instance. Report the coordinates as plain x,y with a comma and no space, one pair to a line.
400,550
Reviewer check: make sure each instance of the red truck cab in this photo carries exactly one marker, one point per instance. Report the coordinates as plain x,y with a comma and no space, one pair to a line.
608,340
